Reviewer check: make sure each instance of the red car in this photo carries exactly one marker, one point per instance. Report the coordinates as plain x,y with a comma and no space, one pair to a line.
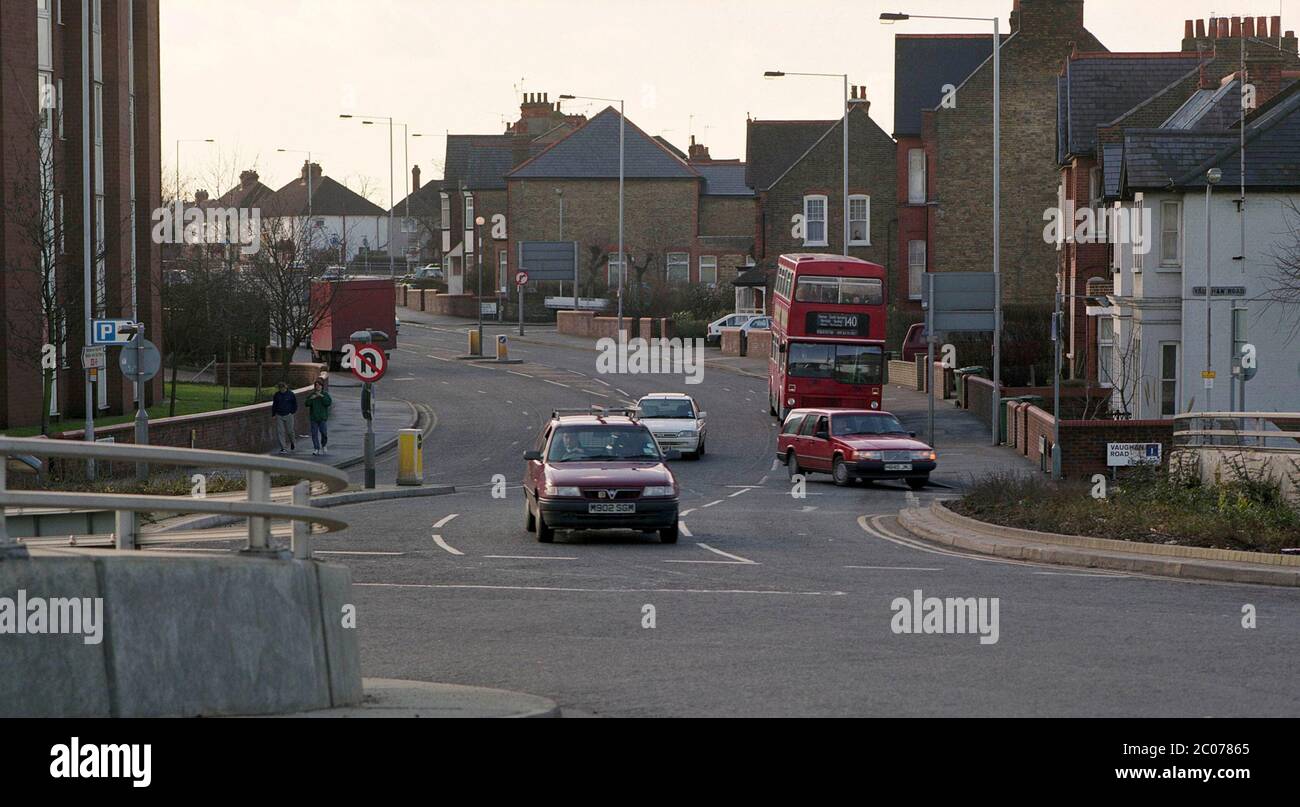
598,471
853,444
914,343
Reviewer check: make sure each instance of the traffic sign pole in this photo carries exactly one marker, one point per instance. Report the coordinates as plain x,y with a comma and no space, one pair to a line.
521,280
141,413
369,392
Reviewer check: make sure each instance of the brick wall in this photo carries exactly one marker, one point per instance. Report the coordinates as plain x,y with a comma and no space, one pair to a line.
871,172
1031,61
727,215
903,373
1083,442
759,344
244,374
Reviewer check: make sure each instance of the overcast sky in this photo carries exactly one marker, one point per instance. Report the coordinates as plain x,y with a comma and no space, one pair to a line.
257,75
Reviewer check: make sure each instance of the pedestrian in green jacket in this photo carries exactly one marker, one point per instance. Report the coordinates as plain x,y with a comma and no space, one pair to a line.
318,405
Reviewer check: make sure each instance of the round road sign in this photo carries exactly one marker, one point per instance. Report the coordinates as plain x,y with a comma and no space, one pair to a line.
149,358
521,278
369,362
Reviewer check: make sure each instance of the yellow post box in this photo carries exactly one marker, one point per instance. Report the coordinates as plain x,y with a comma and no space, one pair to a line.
410,457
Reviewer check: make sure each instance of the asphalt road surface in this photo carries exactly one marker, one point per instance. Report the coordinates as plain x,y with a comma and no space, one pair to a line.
770,604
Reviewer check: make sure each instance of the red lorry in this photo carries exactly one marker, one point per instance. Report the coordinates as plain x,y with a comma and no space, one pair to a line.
351,305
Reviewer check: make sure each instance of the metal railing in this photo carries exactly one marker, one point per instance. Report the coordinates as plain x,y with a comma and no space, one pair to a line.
1247,431
258,508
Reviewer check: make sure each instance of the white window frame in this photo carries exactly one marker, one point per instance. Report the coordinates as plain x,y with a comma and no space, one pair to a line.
916,268
917,188
1105,353
1176,262
808,240
612,267
503,268
709,263
860,242
468,223
1135,234
677,260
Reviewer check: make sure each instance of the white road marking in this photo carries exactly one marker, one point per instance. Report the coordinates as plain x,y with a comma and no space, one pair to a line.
681,525
736,558
598,381
437,539
1080,574
899,568
444,520
716,501
481,392
686,512
713,562
356,552
512,372
529,557
556,383
622,392
737,493
564,589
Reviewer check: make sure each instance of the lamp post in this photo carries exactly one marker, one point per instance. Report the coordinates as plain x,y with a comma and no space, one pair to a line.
1212,178
178,159
310,165
389,246
890,18
622,257
845,146
479,221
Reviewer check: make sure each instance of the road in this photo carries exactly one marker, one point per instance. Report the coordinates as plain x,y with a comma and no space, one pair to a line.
769,605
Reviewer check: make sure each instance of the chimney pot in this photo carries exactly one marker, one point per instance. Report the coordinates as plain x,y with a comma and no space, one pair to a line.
415,178
1236,27
1187,29
1248,27
1224,28
1276,26
1261,27
1200,29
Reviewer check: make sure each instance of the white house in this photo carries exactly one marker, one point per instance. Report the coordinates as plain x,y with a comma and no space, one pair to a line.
1152,340
340,219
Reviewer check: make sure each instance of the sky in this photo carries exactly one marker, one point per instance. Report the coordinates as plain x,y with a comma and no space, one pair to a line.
261,75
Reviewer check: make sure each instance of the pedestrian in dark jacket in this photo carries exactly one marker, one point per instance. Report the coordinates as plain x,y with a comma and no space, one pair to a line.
284,404
318,412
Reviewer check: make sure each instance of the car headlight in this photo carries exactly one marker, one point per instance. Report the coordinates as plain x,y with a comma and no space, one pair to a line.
926,454
867,455
567,490
658,490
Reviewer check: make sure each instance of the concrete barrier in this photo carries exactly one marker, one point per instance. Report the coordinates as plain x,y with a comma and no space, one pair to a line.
181,636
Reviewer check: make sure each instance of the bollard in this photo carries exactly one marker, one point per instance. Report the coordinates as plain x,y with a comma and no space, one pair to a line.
410,457
503,347
475,346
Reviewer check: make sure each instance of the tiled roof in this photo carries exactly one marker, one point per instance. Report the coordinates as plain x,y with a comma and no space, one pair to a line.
591,152
771,147
723,179
663,141
329,198
460,148
427,199
1099,87
1210,110
924,64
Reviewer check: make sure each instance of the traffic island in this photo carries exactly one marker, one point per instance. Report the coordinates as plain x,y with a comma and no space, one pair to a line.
940,524
387,697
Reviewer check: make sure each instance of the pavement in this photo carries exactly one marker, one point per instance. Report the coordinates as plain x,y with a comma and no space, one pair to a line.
771,604
392,698
347,429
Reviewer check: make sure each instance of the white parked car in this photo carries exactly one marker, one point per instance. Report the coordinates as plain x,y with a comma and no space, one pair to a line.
714,334
675,420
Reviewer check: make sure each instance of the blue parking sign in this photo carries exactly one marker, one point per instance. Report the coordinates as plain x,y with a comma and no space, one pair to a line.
109,331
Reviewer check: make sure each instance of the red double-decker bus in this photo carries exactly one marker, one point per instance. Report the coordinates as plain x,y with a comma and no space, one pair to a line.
828,333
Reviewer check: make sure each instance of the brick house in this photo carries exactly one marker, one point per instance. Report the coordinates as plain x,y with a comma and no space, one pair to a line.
796,170
42,131
957,142
685,220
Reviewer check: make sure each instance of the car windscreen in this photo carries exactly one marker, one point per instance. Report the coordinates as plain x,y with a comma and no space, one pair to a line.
849,424
666,408
587,443
848,364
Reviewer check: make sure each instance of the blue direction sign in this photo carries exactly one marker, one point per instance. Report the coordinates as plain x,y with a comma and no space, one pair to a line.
109,331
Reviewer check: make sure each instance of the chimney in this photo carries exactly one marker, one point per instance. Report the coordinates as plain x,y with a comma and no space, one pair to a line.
1248,27
200,196
315,173
697,152
247,179
415,178
858,97
1200,29
1223,28
1276,27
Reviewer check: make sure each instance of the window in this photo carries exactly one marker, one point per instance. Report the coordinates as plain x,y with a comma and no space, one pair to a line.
613,271
847,364
792,424
408,225
503,268
806,428
1136,235
1168,379
839,290
1105,350
59,101
99,114
915,269
860,220
44,58
444,218
1171,234
469,224
709,270
814,221
679,267
916,185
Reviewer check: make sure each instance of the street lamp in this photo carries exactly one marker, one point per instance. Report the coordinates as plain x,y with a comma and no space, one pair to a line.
389,247
1212,178
479,221
889,18
178,159
309,178
622,258
845,127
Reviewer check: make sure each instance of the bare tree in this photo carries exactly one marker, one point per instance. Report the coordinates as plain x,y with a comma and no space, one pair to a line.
1285,290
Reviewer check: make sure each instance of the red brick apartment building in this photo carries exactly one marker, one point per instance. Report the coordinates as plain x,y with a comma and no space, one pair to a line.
65,116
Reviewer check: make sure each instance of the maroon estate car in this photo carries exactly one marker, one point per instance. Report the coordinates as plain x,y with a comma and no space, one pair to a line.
598,471
853,444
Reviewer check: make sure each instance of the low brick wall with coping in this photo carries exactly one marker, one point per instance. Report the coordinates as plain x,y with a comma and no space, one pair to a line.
244,374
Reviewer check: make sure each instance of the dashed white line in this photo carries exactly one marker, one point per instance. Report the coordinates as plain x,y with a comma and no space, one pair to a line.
737,493
717,501
899,568
598,381
529,557
355,552
556,383
512,372
563,589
